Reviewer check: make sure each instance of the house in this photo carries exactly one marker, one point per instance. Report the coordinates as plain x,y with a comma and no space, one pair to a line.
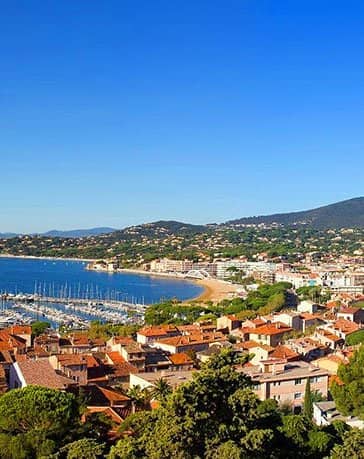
310,320
308,306
286,381
289,318
324,413
174,378
37,372
271,333
352,314
74,366
48,344
229,322
343,328
332,362
307,348
156,359
148,335
328,338
197,342
181,361
23,331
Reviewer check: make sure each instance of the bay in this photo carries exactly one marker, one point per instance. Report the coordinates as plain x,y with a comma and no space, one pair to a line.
71,279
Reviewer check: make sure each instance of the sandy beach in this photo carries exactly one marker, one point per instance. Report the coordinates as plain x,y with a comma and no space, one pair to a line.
215,290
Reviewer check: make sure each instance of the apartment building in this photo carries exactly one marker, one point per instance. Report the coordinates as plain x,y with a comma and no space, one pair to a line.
286,381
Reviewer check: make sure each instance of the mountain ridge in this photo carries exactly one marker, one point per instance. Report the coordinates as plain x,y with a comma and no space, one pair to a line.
342,214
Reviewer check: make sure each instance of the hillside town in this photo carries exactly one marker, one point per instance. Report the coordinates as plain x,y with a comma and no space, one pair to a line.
286,350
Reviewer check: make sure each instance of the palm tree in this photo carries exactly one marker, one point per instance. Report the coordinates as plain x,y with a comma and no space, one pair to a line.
161,390
140,397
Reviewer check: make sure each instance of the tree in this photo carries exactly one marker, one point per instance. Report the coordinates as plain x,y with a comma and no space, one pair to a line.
199,418
139,397
36,420
161,390
352,447
86,448
348,393
39,327
308,402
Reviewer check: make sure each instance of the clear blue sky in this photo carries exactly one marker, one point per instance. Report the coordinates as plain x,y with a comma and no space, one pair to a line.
121,112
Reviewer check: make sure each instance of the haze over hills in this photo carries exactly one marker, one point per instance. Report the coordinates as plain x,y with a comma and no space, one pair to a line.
343,214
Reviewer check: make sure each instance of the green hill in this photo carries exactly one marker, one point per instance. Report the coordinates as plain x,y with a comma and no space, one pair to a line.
344,214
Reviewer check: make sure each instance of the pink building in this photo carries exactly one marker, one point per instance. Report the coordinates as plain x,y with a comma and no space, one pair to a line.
286,381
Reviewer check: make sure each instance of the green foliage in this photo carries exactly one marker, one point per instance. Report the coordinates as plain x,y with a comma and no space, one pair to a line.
39,327
35,420
349,397
86,448
313,293
353,446
308,402
105,331
355,338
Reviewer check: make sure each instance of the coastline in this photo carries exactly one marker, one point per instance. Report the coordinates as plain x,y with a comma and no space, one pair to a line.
33,257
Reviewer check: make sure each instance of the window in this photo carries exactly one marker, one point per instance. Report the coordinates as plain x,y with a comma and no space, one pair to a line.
276,397
276,383
256,386
297,395
298,381
315,379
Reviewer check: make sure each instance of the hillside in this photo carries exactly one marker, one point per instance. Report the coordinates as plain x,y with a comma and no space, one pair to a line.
344,214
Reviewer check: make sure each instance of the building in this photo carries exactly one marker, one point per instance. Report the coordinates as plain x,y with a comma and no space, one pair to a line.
324,413
39,373
286,381
174,378
229,322
271,333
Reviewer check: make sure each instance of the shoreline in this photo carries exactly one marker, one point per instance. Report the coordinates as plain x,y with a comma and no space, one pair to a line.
34,257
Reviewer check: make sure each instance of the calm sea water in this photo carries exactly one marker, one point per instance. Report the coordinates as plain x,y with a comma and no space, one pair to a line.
70,278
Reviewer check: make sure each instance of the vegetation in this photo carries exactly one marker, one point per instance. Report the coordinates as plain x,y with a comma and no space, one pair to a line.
265,300
138,245
35,422
355,338
39,327
349,392
216,415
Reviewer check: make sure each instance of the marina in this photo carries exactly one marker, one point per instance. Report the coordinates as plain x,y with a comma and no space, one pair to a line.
74,313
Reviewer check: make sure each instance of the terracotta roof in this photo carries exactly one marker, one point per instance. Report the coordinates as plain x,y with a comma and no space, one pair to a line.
123,340
20,330
345,326
329,335
104,396
115,357
284,352
79,339
180,359
71,359
192,339
276,328
157,330
41,373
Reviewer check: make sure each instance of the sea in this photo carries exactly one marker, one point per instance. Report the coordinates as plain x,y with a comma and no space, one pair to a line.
70,279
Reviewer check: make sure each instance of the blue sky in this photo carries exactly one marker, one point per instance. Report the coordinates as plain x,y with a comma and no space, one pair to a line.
121,112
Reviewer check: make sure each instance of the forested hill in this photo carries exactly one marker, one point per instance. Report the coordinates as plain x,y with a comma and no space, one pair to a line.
344,214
